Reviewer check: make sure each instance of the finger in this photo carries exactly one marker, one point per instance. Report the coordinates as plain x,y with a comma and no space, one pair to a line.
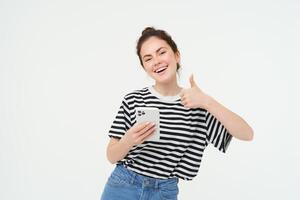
147,134
145,129
181,94
140,126
183,98
184,102
192,82
187,106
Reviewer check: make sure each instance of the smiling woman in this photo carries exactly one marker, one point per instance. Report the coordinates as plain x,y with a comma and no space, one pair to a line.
189,121
159,60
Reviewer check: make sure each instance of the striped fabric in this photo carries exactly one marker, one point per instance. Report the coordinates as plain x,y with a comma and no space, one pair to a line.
184,134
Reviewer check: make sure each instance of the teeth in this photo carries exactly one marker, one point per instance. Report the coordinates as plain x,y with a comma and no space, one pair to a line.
160,69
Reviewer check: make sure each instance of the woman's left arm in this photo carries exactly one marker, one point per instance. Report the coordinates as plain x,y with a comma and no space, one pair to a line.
194,98
236,125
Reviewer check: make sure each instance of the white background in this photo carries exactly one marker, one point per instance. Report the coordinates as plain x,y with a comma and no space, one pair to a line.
65,66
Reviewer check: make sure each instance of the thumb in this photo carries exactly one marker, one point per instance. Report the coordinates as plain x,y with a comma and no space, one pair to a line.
192,82
181,93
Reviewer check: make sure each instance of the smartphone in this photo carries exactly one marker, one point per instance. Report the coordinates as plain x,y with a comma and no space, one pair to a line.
149,114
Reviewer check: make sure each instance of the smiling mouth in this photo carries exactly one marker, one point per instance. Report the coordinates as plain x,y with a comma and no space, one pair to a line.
160,70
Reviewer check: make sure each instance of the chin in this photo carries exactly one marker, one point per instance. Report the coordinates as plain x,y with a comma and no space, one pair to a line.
164,80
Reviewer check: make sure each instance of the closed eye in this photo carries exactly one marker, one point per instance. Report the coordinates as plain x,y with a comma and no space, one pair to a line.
147,60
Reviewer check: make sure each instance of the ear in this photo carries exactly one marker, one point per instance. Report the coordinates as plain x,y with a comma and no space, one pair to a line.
177,57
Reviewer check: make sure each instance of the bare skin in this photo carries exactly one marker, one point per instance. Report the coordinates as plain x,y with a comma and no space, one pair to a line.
117,149
157,54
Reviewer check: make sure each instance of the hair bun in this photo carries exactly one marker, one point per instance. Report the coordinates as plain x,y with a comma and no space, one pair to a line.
148,29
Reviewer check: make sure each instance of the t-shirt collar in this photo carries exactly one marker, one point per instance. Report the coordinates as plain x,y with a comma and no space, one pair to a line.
163,98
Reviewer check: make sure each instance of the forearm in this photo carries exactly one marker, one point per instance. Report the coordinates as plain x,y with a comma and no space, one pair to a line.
118,150
236,126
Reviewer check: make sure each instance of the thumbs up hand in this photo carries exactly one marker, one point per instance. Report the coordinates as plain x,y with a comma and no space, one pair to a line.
194,97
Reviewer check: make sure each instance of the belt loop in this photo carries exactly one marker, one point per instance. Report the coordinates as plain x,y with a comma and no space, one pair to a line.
133,177
156,186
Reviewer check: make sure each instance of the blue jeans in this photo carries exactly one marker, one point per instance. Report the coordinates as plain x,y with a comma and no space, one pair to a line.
124,184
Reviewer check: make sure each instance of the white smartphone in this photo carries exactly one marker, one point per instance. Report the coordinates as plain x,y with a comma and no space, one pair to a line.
149,114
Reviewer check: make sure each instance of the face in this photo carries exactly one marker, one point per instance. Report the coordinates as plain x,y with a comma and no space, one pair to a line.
159,60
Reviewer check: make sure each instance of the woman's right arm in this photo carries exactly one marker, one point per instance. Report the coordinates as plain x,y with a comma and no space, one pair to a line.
117,149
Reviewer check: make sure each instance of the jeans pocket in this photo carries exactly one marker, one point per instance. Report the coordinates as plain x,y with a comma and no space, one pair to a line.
114,180
117,178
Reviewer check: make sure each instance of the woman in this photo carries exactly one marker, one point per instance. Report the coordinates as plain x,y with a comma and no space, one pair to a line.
189,121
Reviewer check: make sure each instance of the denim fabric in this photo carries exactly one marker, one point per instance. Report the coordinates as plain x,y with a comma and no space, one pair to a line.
124,184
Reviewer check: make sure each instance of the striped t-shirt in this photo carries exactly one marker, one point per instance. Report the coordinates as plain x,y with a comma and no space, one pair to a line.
184,134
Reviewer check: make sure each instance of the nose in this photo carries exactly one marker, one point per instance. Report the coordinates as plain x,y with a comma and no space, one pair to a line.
156,61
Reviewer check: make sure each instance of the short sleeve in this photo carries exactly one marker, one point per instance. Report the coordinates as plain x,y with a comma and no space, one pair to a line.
122,121
217,134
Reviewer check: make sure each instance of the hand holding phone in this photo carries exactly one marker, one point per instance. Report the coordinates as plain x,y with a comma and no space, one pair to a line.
138,133
149,114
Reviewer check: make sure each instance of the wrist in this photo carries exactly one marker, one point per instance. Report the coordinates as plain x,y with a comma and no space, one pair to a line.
209,101
125,142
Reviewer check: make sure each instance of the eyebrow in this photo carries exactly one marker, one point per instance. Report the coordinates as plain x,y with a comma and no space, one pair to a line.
155,51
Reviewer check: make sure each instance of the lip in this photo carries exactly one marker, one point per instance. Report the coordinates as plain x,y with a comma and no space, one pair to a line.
157,69
161,74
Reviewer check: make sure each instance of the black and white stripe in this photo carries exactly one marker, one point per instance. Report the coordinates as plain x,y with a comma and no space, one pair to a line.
184,134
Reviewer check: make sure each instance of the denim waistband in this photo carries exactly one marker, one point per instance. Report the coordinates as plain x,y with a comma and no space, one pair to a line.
141,180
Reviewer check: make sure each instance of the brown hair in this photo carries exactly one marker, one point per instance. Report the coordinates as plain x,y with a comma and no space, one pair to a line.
161,34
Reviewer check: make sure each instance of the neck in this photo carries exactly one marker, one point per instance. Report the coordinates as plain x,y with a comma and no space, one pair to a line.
169,89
